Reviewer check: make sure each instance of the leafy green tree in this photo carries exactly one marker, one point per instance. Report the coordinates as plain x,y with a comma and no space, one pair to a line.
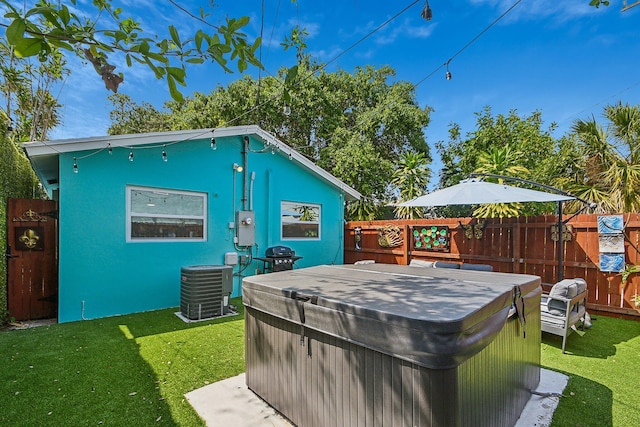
610,160
29,109
525,134
505,145
144,117
357,162
411,177
48,26
354,125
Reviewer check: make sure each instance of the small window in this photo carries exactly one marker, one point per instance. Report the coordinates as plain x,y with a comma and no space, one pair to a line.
300,220
160,215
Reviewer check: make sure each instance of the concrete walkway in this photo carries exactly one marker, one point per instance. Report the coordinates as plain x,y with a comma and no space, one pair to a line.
230,403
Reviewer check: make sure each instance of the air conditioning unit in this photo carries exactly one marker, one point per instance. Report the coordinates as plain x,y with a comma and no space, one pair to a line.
205,291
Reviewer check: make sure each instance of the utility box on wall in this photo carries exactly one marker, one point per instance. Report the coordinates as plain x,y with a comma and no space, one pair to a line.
245,222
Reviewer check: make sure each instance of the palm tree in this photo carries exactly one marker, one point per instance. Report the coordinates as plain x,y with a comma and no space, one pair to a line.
501,160
411,178
611,157
362,210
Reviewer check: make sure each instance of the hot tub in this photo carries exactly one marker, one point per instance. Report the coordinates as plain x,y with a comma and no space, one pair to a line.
389,345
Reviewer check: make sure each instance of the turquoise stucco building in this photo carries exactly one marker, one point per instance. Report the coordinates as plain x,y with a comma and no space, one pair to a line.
134,209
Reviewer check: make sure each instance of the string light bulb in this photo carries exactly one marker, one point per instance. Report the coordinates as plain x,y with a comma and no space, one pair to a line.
109,148
286,109
213,144
290,155
427,14
131,156
237,167
448,73
164,153
75,165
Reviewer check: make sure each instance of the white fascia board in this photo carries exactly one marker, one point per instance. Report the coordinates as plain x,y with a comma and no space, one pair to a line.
38,148
270,139
41,148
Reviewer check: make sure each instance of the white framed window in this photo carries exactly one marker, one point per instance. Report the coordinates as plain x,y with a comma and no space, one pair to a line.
300,220
158,214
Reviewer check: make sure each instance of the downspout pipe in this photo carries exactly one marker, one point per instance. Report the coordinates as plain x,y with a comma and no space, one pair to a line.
253,179
245,171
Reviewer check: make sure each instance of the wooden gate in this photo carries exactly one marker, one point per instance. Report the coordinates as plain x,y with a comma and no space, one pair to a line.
32,258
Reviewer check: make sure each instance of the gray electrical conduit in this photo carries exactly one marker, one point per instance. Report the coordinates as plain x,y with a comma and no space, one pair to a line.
253,178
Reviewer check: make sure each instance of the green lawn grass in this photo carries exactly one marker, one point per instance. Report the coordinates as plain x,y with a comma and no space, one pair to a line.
604,374
134,371
121,371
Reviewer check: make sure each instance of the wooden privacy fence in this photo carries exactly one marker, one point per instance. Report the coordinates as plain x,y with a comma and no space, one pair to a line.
513,245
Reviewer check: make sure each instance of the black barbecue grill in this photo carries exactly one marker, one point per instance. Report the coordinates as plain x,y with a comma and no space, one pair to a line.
278,258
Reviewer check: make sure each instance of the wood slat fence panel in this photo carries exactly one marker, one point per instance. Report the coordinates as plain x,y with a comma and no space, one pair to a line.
516,245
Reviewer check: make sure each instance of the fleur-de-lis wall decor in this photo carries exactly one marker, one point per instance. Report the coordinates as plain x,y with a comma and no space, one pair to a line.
29,238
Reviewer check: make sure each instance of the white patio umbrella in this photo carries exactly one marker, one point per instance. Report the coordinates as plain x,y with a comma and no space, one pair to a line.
473,192
476,192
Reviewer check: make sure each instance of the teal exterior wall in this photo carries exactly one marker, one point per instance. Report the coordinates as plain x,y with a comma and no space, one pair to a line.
101,274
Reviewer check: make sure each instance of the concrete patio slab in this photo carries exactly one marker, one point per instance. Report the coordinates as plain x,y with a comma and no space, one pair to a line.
540,408
231,403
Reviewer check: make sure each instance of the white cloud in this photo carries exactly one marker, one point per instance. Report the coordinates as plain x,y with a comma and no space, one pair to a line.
420,32
366,55
558,11
406,28
327,54
312,28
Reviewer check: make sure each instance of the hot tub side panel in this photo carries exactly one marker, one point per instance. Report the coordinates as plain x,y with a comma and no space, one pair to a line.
328,381
494,385
331,382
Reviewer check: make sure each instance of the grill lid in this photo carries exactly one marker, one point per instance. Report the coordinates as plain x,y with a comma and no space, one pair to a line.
279,252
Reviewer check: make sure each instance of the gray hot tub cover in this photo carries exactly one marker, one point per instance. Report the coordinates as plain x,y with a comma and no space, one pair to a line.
434,318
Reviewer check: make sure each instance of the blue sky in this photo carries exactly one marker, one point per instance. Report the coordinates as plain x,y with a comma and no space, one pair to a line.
561,57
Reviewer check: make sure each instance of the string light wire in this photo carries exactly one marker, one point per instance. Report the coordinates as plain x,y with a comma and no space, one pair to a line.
446,63
472,41
323,66
197,18
319,68
276,96
604,100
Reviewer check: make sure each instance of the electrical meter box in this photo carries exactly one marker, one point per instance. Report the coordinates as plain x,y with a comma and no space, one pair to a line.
245,221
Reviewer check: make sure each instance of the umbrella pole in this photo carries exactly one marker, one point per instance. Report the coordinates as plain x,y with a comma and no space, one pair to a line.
560,241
